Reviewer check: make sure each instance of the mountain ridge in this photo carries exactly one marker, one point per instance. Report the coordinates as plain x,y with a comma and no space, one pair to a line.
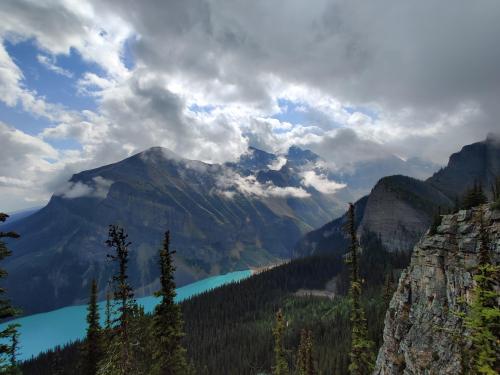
399,209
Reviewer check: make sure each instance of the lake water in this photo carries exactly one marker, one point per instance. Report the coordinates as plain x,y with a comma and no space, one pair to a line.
44,331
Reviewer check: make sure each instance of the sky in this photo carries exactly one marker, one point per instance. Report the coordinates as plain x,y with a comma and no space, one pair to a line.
84,83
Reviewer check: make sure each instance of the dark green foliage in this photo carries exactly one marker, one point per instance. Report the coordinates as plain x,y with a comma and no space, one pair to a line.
280,361
93,345
229,330
361,355
305,362
436,222
495,193
169,357
483,316
474,197
118,358
389,288
8,351
495,189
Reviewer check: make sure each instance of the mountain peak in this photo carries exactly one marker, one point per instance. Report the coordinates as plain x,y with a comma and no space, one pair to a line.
160,152
296,153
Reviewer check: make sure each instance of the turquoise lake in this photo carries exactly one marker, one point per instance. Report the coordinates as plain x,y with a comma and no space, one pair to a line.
44,331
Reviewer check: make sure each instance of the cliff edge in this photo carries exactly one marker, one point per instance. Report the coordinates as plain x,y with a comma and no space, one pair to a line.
422,330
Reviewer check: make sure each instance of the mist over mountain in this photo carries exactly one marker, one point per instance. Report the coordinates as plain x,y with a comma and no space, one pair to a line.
223,217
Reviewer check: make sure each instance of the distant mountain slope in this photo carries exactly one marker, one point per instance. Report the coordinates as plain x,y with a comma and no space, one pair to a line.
18,215
476,162
399,209
222,218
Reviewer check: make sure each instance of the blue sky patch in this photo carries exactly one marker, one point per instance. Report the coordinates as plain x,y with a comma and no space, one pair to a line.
54,87
291,112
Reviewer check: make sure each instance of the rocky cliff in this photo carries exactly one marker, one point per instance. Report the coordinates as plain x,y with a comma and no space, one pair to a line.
421,324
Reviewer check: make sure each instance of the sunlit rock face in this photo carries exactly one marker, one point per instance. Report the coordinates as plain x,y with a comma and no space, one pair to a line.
422,330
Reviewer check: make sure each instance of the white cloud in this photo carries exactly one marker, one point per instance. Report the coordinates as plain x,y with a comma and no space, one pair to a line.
97,188
50,64
320,182
278,163
365,86
231,182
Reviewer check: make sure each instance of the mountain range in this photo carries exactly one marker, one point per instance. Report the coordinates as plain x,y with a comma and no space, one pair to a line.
222,217
399,209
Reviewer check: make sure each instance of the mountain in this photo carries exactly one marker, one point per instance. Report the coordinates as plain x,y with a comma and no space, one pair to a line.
399,209
422,324
221,217
18,215
476,162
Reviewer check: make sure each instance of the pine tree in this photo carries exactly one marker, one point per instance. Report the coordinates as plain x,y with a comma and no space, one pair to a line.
92,347
436,222
118,358
6,309
56,365
9,365
474,196
281,364
108,319
310,369
495,192
305,361
169,356
388,289
302,354
361,354
495,189
483,316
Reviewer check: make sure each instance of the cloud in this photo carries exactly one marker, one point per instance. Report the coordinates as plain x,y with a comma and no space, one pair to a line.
49,63
320,182
231,183
277,164
98,188
369,80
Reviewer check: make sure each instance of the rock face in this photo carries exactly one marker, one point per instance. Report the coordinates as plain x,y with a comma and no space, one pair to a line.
400,209
421,319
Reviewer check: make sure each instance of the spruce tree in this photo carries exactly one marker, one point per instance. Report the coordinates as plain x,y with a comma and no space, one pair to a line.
474,196
495,189
108,318
436,222
310,369
495,192
6,309
302,354
169,356
118,358
483,316
388,288
281,364
361,353
9,365
93,350
305,361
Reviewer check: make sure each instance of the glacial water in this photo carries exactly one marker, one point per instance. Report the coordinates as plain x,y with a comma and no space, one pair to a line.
44,331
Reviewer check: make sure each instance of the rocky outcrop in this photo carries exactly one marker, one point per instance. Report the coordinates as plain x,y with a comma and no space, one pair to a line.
422,329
